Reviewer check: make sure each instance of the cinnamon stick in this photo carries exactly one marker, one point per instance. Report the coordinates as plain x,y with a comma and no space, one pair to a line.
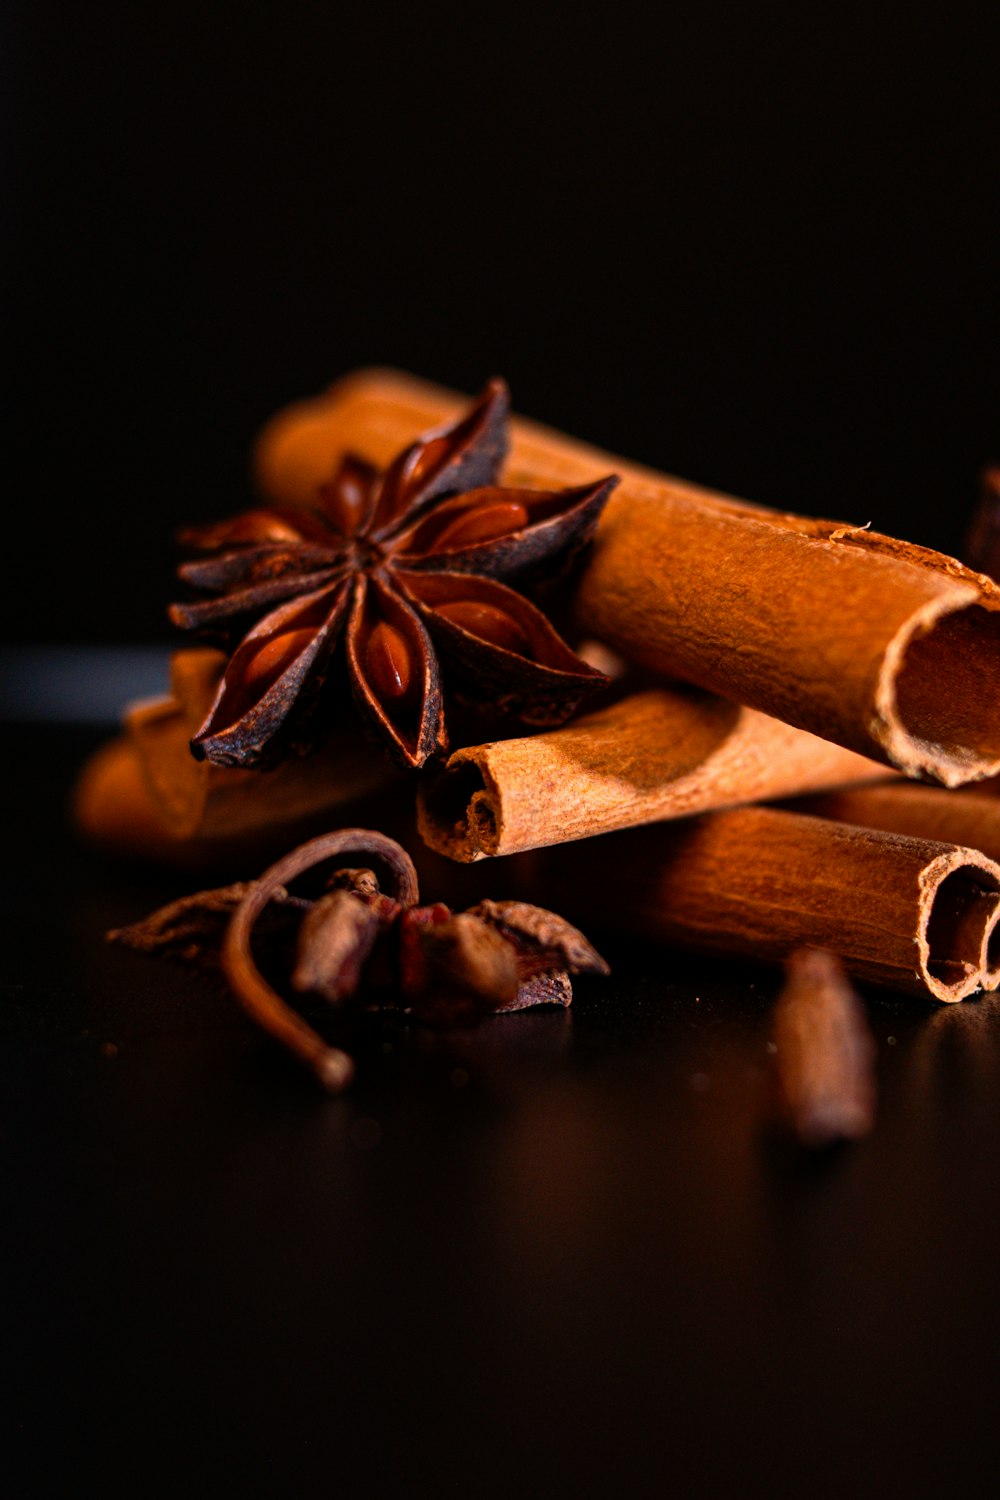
970,818
887,648
654,755
910,913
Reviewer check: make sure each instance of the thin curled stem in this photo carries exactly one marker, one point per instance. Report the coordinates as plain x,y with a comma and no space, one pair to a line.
333,1067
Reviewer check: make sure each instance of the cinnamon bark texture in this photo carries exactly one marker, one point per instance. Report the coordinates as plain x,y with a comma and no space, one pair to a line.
927,812
887,648
655,755
824,1052
909,913
969,818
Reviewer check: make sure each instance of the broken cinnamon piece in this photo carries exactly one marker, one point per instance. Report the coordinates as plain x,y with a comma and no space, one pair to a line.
825,1052
655,755
831,627
909,913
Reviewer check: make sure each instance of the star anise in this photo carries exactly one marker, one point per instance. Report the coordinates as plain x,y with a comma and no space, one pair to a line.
353,942
410,565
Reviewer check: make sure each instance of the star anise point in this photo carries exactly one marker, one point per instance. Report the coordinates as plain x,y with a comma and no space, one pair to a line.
412,566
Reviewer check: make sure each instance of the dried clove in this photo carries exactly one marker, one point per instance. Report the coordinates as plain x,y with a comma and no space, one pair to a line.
355,942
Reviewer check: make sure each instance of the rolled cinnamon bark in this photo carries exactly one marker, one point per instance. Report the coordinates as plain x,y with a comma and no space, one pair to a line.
887,648
968,818
913,914
655,755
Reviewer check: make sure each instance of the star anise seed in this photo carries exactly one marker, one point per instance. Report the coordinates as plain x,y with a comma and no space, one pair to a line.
413,566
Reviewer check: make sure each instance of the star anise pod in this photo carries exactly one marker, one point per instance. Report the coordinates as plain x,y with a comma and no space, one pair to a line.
355,942
412,566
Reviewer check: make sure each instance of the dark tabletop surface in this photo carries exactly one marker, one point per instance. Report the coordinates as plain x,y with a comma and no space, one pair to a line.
560,1253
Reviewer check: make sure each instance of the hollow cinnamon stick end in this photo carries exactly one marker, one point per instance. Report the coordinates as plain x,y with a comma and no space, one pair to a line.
825,1052
949,735
958,941
460,812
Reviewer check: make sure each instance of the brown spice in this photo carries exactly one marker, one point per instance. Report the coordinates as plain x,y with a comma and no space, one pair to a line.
756,882
831,627
411,565
354,941
189,930
825,1052
660,754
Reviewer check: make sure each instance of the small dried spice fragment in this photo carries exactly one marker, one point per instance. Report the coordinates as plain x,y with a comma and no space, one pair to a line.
412,566
355,943
825,1053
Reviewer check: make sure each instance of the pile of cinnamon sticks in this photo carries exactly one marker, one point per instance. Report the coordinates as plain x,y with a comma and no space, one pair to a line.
848,680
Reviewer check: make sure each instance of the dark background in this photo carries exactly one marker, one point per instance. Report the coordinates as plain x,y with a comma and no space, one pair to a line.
755,245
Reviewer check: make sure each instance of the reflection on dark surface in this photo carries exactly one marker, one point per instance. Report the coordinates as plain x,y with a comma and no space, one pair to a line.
557,1253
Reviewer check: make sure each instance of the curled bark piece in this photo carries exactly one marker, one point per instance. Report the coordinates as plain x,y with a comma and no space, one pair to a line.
263,1004
547,948
655,755
837,630
909,913
825,1052
542,939
969,818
